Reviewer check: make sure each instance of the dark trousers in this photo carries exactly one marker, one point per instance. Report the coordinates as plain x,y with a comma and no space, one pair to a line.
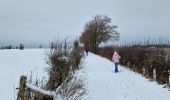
116,67
87,52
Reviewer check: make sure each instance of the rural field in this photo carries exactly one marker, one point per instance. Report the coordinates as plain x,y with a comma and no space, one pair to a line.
14,63
103,85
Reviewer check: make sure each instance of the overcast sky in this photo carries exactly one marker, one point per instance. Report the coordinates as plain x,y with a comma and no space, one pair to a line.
41,21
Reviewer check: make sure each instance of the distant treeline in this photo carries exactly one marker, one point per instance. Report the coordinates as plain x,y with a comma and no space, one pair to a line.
20,46
161,41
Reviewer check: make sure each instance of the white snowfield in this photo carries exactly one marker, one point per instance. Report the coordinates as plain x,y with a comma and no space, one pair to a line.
103,84
14,63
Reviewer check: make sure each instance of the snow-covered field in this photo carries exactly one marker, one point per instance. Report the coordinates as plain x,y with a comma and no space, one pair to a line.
14,63
101,83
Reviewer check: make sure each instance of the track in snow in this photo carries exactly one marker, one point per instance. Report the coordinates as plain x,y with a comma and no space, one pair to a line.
103,84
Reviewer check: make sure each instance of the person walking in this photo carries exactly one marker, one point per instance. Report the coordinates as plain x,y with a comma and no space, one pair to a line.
86,47
115,59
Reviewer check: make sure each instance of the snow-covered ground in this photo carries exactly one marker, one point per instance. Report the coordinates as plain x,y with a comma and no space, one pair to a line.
14,63
103,84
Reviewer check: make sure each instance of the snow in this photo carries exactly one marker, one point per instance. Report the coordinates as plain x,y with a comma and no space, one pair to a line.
33,87
15,63
100,80
103,84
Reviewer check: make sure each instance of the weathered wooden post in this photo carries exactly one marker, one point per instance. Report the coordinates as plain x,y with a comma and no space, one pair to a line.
128,65
168,76
22,86
27,92
154,74
144,72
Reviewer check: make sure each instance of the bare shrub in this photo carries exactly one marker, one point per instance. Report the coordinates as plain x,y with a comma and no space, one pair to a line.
63,60
72,88
59,65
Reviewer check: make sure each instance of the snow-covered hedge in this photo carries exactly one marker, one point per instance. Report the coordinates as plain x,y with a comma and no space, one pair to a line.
61,61
138,58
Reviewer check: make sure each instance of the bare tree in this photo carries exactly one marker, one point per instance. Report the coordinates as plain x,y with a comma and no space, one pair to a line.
98,30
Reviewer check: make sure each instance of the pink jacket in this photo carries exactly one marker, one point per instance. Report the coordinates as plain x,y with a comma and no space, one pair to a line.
116,57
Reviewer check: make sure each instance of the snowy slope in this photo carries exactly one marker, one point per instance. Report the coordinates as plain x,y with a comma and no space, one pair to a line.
14,63
102,84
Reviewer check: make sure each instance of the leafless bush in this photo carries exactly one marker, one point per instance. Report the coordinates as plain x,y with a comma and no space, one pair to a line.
59,65
76,55
72,88
63,59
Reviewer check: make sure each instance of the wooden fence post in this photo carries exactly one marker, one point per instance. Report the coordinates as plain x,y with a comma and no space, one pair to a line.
25,92
143,70
22,86
154,74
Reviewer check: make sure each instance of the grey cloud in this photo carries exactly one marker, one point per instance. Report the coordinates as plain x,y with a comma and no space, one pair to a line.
39,21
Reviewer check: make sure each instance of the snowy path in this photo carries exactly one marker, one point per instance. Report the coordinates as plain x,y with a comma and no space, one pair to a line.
102,84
